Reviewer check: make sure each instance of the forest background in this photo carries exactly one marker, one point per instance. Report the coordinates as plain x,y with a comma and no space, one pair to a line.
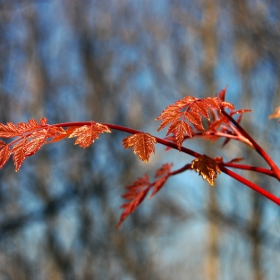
123,62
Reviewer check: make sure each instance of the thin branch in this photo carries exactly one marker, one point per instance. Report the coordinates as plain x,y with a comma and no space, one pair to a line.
195,154
250,168
251,185
257,147
132,131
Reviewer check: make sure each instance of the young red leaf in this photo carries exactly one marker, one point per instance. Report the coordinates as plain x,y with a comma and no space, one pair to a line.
194,118
207,168
31,125
169,115
88,133
222,93
238,159
158,184
241,111
201,106
137,191
18,152
218,159
43,121
4,154
189,110
35,141
9,130
58,133
2,144
180,129
163,170
143,145
275,114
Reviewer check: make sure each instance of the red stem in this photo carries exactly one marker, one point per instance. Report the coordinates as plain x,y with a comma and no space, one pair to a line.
132,131
257,147
251,185
195,154
250,167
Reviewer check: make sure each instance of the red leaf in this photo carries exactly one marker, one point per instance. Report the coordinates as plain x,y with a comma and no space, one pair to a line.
88,133
143,145
130,207
207,168
139,183
9,130
218,159
158,185
226,142
4,155
137,191
164,169
185,115
222,94
238,159
162,172
43,121
27,127
180,129
2,144
18,152
241,111
275,114
59,133
35,142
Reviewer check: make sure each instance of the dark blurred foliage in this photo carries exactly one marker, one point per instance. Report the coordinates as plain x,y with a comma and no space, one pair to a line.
122,62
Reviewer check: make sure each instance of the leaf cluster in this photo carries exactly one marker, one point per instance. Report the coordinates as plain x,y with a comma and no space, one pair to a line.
184,120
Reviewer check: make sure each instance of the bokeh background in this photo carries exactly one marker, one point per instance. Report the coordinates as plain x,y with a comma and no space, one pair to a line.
123,62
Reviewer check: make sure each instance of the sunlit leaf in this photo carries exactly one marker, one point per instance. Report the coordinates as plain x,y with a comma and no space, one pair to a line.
60,134
238,159
143,145
4,155
88,133
163,170
184,117
9,130
158,184
207,168
275,114
18,152
35,142
136,193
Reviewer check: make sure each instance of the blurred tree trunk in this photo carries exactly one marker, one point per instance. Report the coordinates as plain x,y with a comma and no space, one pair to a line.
209,46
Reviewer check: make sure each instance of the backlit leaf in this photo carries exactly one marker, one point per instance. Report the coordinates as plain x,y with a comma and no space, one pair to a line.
275,114
35,141
88,133
61,134
238,159
2,144
18,152
9,130
158,185
180,130
207,168
4,155
184,117
222,93
163,170
143,145
162,174
136,193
